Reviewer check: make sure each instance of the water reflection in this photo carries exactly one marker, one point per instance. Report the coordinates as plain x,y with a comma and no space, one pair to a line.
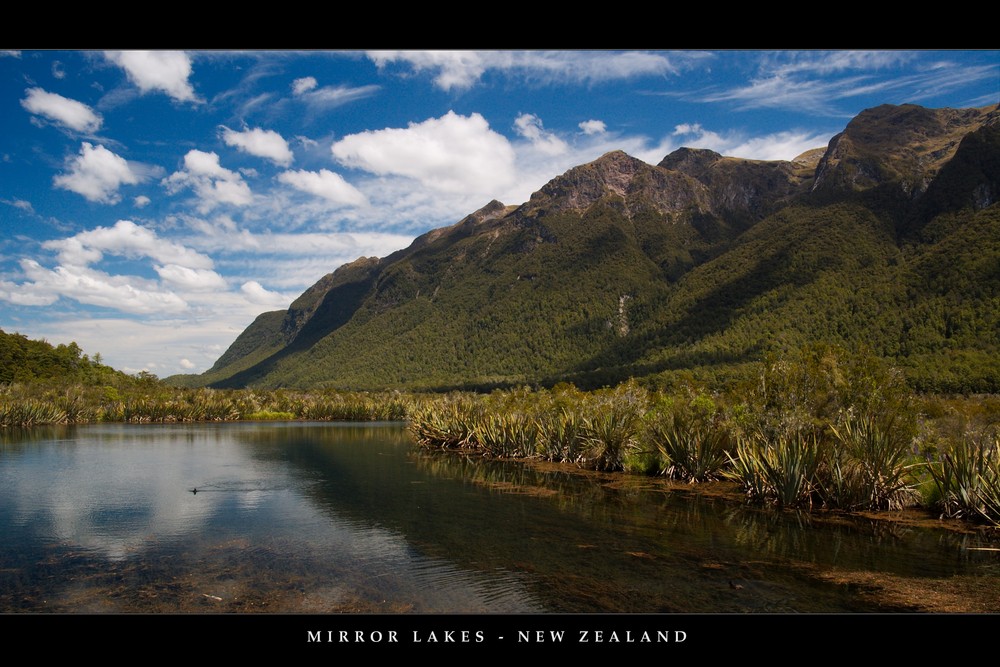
347,517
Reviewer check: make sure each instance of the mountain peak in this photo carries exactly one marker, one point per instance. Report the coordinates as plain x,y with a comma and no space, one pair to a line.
907,144
622,178
690,160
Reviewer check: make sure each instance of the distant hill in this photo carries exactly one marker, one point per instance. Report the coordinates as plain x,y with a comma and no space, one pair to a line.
889,239
23,359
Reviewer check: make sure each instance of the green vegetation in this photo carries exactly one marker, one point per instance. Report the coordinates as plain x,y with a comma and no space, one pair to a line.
25,360
28,405
698,268
967,478
823,428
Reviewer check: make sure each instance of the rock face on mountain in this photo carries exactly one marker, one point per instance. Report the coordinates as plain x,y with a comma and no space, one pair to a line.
888,238
904,145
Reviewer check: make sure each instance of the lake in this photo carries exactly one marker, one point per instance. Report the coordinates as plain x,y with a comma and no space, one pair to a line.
319,517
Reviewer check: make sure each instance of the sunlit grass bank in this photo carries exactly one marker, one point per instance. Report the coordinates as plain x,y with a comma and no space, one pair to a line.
32,404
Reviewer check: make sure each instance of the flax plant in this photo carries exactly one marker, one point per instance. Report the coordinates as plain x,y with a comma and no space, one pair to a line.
447,424
868,467
968,478
782,470
507,435
611,432
692,440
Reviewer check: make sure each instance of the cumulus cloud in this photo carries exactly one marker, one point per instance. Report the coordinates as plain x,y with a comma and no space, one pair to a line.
211,182
530,127
325,184
186,364
141,201
19,296
97,173
69,113
164,71
452,153
179,268
188,279
255,293
303,85
96,288
262,143
593,127
456,69
127,239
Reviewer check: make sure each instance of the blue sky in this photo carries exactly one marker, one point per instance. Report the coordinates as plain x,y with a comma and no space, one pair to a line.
154,203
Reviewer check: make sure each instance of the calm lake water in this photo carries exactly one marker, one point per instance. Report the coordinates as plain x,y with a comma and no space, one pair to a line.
315,518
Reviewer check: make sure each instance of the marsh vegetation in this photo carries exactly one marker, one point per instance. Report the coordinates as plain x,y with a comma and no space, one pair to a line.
818,428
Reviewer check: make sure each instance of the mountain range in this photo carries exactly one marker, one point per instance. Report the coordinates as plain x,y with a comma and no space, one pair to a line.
886,239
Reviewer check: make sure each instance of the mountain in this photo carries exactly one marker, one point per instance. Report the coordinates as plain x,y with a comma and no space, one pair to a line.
889,238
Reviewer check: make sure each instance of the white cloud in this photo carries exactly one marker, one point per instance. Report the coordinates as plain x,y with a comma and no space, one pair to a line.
813,81
463,69
262,143
186,363
19,296
530,127
211,182
256,294
325,184
97,173
456,69
329,97
127,239
593,127
183,273
141,201
68,113
451,154
826,62
22,204
165,71
777,146
200,339
303,85
188,279
57,70
96,288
